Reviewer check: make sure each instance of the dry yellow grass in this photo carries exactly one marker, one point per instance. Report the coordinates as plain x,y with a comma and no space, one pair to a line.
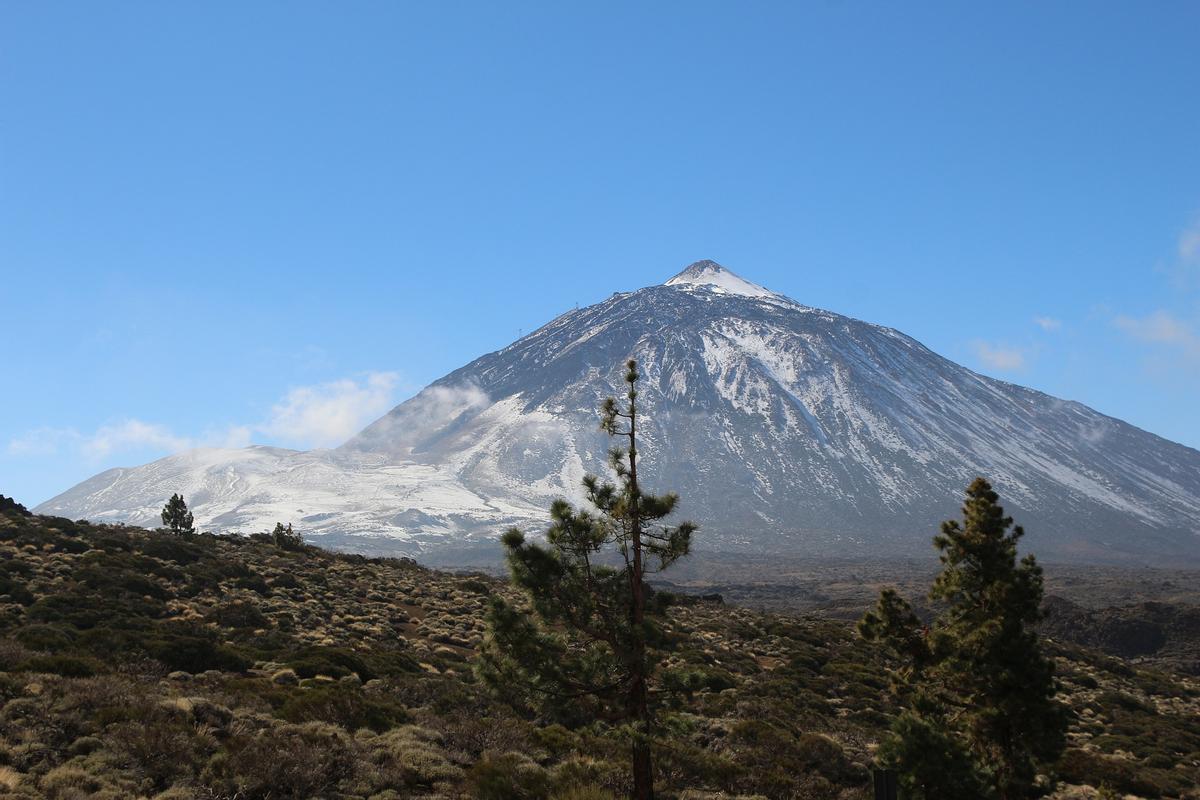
10,778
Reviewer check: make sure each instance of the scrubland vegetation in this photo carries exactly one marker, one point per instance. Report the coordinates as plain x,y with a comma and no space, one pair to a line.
136,663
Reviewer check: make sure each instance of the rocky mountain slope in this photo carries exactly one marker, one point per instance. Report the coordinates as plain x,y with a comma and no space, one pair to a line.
785,428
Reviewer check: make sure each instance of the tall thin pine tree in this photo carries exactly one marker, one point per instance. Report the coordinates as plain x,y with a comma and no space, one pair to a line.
589,639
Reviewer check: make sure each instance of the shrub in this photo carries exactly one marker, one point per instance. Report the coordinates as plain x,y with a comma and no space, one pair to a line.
291,762
686,681
67,666
475,586
413,757
11,507
772,753
584,793
391,663
1121,700
1080,766
14,587
335,662
285,580
183,550
116,573
193,649
13,653
238,614
70,782
511,776
584,778
159,747
343,705
286,538
45,637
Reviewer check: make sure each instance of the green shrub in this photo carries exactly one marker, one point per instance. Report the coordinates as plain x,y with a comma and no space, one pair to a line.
45,637
691,679
508,777
1082,767
183,550
413,757
71,782
115,573
389,663
255,583
285,580
1106,701
10,507
556,739
193,649
160,747
14,587
238,614
336,662
344,705
475,586
291,762
66,666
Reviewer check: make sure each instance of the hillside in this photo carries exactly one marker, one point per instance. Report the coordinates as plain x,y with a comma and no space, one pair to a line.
787,429
1145,616
139,664
1168,633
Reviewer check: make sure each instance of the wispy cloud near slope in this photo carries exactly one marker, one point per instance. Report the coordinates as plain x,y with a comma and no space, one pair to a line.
999,357
1162,327
330,413
322,415
121,436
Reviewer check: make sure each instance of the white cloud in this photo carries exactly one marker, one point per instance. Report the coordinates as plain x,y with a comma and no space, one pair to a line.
432,409
233,436
132,434
308,416
119,437
999,357
1161,327
42,441
329,413
1189,243
1184,270
1047,323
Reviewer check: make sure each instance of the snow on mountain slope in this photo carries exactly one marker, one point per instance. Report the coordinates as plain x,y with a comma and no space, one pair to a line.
783,427
711,275
322,492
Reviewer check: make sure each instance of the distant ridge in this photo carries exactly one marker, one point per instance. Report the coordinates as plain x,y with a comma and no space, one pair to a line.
785,428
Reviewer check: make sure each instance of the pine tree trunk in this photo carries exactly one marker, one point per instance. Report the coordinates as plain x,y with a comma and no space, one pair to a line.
643,770
643,775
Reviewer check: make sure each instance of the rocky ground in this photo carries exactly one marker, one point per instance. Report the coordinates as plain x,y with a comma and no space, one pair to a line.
1148,616
137,664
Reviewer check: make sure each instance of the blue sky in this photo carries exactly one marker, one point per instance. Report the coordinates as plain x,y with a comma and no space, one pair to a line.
268,222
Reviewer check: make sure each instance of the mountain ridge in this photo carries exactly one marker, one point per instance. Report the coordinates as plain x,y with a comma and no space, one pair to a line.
784,427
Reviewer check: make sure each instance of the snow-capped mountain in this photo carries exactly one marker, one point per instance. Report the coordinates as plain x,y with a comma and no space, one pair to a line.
784,428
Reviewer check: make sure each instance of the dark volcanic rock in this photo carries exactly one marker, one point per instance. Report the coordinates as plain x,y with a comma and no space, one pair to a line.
1170,632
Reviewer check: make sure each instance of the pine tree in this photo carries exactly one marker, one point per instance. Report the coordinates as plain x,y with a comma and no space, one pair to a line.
9,505
977,677
175,515
589,642
286,538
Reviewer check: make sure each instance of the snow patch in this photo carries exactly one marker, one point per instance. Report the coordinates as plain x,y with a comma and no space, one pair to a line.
712,276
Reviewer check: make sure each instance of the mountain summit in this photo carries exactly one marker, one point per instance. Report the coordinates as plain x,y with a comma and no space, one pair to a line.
712,276
784,428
